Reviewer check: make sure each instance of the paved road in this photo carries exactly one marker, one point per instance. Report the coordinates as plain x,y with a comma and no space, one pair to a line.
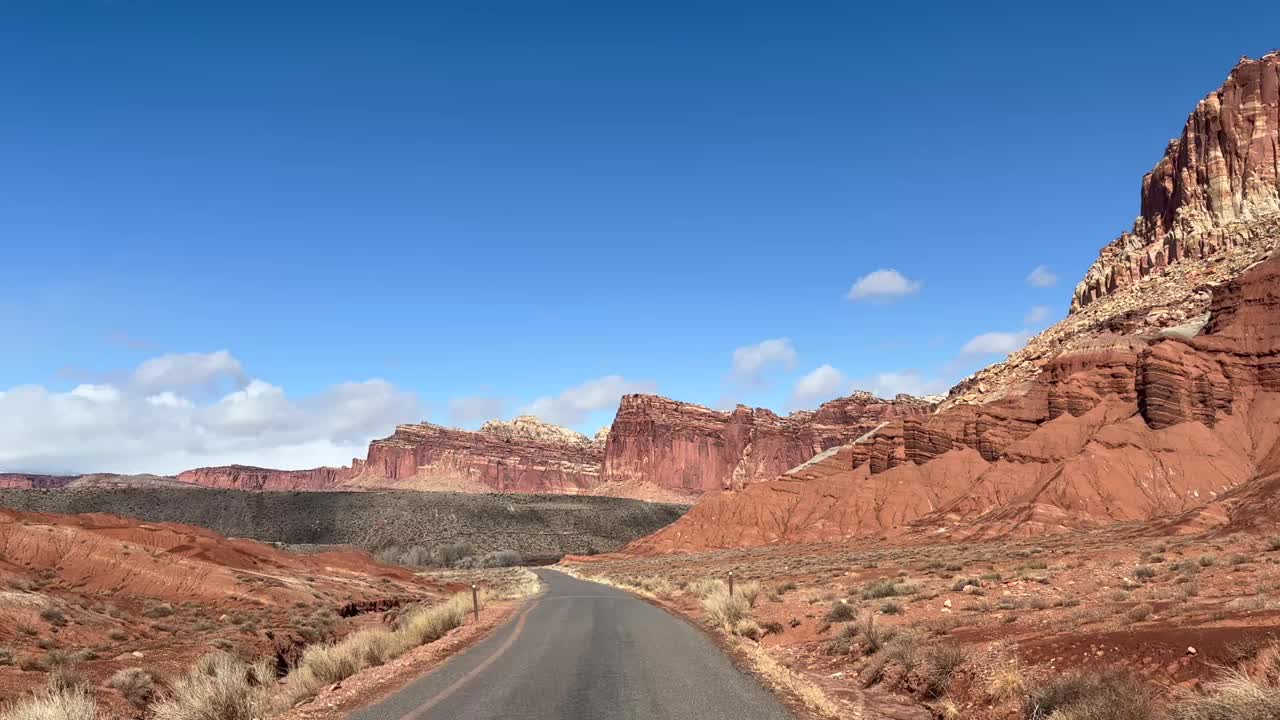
584,651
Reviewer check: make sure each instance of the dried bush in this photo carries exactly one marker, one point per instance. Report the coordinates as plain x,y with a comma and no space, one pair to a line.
219,687
841,611
1090,695
138,686
72,704
726,610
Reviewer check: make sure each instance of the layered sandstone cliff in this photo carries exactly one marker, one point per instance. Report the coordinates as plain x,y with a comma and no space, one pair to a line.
524,455
1157,398
697,449
1209,209
1134,428
656,449
247,477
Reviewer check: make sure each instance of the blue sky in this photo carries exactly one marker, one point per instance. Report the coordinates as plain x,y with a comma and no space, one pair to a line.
503,206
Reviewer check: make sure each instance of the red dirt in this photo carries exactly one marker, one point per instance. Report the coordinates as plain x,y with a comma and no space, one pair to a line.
123,593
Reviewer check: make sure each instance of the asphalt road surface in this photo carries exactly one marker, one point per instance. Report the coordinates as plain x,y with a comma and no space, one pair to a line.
583,651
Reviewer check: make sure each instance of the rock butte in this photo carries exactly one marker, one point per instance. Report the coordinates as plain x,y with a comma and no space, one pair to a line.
1155,399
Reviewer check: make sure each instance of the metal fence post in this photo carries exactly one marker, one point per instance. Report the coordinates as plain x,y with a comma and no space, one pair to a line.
475,601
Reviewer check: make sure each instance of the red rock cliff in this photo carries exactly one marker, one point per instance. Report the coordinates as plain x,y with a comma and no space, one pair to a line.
522,456
246,477
693,448
1210,209
1218,177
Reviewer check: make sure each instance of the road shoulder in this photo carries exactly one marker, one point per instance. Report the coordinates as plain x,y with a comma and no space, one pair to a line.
375,684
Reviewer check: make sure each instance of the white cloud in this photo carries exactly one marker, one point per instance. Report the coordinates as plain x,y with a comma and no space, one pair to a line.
130,428
184,370
471,411
910,382
751,362
882,285
572,406
1037,315
818,386
996,343
1042,277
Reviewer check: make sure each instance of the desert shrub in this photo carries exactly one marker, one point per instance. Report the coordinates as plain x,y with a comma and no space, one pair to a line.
424,625
784,588
501,558
1273,544
53,616
887,587
447,555
1251,693
703,587
656,585
724,609
219,687
1208,560
72,704
841,611
1090,696
138,686
891,607
873,635
842,643
1140,612
961,583
1006,682
389,555
1235,696
904,648
160,610
749,591
57,657
8,656
65,679
748,628
940,663
1144,572
772,627
330,663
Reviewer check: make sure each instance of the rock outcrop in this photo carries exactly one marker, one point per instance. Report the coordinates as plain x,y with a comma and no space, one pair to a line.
1157,399
1217,179
246,477
1210,208
524,455
1136,428
697,449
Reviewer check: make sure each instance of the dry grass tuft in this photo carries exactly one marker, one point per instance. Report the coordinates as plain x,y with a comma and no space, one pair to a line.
71,704
706,586
138,686
1250,693
1090,696
726,610
1006,683
429,624
219,687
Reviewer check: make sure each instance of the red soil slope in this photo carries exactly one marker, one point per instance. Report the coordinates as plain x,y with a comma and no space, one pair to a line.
113,592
